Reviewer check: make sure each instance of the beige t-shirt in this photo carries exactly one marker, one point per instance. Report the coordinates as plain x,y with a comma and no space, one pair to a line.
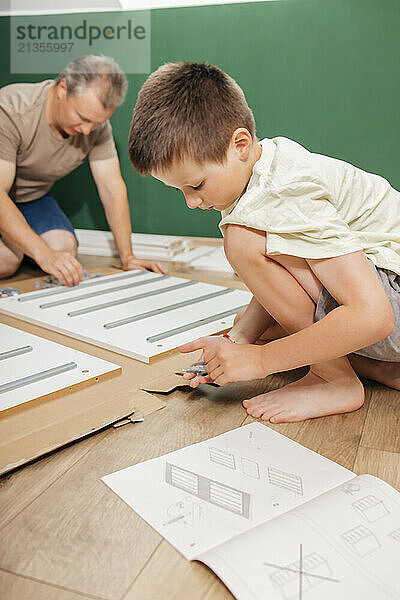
314,206
27,140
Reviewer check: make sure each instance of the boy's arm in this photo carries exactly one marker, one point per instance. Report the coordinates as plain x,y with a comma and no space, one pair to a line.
364,316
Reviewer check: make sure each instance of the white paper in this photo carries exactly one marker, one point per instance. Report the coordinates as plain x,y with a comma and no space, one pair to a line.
344,544
202,495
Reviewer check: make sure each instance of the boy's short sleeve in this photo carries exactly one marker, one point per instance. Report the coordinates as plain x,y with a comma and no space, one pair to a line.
300,220
10,138
104,146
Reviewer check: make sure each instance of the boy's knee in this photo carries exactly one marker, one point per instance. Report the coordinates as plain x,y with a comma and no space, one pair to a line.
63,241
243,245
239,315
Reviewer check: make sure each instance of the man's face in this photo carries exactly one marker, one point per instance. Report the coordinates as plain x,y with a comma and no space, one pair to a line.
210,185
79,114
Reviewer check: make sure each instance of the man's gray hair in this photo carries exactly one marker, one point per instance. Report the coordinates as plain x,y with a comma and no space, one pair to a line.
101,72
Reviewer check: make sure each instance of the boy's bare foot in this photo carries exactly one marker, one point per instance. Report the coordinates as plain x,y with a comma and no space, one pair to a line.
309,397
381,371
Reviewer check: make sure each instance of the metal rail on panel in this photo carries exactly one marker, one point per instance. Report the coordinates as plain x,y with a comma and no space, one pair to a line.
164,309
110,290
17,383
15,352
63,289
194,324
84,311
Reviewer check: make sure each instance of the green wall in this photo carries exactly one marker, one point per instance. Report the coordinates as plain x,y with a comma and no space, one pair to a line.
322,72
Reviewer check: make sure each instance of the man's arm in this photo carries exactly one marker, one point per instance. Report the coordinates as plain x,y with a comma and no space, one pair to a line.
14,228
112,192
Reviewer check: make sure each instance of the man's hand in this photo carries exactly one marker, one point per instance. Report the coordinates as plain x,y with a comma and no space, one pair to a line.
62,265
226,362
112,192
132,263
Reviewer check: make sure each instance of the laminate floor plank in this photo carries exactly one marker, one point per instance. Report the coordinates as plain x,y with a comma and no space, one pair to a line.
24,588
175,576
380,463
382,426
19,488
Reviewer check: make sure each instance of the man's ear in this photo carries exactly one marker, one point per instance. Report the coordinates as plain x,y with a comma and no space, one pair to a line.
242,143
61,90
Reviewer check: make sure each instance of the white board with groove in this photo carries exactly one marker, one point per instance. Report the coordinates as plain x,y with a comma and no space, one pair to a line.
138,313
32,367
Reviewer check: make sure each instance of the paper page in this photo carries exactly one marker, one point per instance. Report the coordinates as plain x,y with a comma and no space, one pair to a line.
202,495
344,544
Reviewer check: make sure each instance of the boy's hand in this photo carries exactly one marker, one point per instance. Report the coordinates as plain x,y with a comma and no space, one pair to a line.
195,380
226,362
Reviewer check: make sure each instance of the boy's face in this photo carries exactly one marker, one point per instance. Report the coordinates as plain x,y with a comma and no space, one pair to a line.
211,185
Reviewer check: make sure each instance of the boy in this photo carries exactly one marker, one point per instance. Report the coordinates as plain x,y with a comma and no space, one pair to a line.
316,240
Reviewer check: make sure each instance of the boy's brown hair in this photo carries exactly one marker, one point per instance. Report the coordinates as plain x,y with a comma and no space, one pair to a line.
186,110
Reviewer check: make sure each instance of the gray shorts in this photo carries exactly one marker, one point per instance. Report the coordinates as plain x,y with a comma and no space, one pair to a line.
389,348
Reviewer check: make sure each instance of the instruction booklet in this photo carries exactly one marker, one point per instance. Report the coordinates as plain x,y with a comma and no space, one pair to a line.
271,518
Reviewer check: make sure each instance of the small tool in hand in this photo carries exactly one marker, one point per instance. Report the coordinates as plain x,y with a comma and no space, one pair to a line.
197,368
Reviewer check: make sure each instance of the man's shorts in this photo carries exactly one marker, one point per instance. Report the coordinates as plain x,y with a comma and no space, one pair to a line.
44,214
389,348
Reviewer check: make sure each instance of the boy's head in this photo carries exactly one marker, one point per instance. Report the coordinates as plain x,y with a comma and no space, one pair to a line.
192,129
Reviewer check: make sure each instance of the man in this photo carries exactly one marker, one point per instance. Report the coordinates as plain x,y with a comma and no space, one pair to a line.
47,129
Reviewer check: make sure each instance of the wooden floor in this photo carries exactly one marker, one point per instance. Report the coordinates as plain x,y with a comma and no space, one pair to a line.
65,536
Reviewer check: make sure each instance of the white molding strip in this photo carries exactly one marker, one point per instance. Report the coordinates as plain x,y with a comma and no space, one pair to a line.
125,5
156,247
146,4
145,245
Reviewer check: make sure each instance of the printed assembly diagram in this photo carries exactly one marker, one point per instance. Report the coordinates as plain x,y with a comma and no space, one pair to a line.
296,578
215,492
184,512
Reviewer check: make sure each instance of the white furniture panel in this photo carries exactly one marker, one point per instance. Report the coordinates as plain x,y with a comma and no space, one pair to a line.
139,314
31,367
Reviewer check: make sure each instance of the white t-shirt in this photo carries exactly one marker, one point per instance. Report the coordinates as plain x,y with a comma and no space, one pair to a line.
314,206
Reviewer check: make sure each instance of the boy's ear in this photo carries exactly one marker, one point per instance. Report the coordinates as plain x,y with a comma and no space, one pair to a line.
242,143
